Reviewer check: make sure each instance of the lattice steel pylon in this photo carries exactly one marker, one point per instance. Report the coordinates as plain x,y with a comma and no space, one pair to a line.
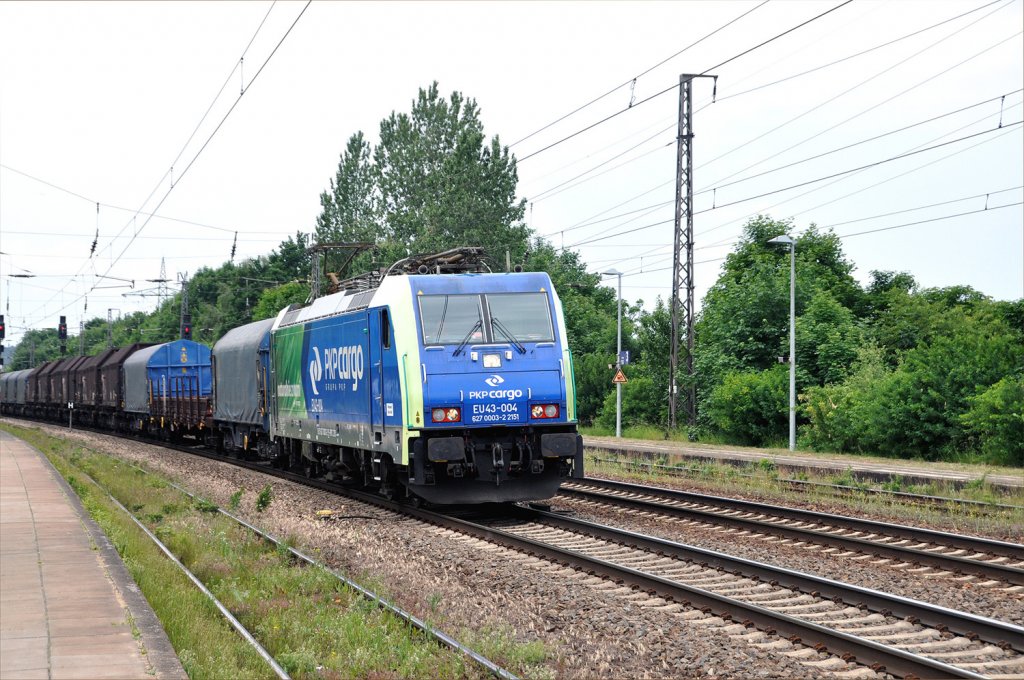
160,291
682,262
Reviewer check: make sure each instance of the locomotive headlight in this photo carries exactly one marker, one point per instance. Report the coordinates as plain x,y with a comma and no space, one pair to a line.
492,361
453,415
437,415
551,411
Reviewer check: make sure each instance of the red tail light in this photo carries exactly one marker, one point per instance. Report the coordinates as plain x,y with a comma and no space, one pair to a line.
446,415
544,411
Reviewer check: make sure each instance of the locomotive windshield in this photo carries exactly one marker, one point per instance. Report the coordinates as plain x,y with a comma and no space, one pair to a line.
448,319
525,315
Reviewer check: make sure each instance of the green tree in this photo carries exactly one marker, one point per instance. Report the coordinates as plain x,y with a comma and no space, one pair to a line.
641,403
433,182
846,416
936,403
882,286
827,338
593,385
273,300
744,322
933,385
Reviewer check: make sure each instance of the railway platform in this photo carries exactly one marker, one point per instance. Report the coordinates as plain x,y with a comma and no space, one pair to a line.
867,469
68,606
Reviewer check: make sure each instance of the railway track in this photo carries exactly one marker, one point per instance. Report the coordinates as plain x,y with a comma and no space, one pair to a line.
885,632
844,629
940,503
427,629
828,625
929,553
649,452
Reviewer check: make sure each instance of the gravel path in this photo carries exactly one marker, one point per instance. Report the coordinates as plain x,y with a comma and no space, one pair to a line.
590,627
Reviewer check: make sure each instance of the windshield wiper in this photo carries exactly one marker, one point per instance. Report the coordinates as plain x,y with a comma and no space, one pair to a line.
508,334
465,340
440,326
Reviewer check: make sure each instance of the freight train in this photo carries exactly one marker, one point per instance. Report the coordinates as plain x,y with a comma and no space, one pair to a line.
444,387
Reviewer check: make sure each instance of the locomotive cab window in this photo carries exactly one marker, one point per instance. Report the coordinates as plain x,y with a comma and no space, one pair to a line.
449,319
524,316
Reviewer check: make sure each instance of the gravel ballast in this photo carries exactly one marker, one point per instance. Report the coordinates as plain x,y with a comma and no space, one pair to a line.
589,626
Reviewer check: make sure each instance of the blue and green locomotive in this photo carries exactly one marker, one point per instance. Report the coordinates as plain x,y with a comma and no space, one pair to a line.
453,388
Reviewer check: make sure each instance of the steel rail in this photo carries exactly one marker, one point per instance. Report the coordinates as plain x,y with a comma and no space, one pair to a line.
969,625
936,502
235,623
368,594
977,543
879,656
431,631
953,563
850,647
652,449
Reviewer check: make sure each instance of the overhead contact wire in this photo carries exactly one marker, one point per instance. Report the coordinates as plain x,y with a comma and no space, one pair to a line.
867,110
200,151
858,54
676,85
639,75
803,73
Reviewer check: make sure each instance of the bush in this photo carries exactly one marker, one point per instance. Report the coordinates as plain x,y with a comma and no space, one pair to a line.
996,418
642,404
847,417
751,407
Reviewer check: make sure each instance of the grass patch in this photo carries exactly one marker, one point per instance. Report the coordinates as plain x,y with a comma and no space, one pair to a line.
312,623
264,498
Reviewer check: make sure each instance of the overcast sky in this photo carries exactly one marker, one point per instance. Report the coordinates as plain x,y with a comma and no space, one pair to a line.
99,100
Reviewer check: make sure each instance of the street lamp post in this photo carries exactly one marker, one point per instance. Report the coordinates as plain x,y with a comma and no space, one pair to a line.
787,240
618,355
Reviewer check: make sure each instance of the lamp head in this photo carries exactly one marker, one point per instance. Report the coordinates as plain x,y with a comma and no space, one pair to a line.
783,239
611,272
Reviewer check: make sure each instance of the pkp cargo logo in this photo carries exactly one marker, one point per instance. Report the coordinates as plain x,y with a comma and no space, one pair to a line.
316,371
494,381
339,363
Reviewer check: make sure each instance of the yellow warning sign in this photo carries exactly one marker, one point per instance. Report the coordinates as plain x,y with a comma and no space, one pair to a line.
620,377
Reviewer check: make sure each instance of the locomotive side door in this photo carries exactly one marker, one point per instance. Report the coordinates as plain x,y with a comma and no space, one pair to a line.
379,329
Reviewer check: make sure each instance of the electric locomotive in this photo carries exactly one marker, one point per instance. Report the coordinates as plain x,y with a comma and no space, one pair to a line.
445,387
